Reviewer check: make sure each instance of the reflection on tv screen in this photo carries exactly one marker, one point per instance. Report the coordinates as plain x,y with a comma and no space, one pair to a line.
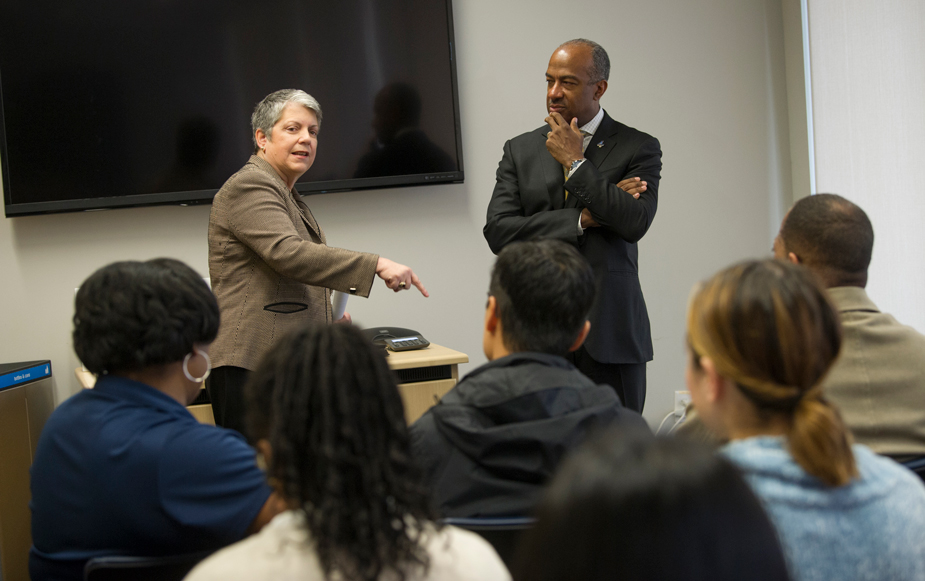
131,103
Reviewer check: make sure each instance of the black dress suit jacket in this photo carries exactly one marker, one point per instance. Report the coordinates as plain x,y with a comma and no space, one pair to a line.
529,202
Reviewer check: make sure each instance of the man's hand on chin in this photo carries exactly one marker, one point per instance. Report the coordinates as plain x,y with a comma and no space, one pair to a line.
564,140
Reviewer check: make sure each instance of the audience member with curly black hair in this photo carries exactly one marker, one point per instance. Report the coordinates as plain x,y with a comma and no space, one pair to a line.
643,509
124,468
329,421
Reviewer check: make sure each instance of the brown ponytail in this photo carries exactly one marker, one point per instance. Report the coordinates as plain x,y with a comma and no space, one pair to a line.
820,443
769,328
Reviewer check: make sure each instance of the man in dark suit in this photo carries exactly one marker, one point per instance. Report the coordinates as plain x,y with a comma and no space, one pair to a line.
592,182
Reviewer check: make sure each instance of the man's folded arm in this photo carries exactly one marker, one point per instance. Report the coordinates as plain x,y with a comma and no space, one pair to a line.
506,221
613,208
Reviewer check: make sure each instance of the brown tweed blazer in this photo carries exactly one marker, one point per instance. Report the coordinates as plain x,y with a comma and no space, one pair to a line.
270,267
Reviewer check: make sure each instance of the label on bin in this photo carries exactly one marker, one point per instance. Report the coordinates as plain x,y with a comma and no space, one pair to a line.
25,375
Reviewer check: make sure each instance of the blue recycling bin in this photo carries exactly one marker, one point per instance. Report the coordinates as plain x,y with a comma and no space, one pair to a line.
27,398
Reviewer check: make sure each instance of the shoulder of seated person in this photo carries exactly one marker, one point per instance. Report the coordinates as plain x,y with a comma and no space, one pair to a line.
205,438
452,545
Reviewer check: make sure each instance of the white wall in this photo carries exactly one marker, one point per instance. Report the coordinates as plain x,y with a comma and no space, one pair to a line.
706,78
867,62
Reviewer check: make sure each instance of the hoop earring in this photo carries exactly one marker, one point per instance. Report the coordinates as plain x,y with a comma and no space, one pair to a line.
186,368
261,462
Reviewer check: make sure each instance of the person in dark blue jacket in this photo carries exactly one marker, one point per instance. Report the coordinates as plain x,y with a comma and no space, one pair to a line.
124,468
492,442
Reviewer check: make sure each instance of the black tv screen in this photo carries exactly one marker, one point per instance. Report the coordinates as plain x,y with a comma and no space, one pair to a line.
111,103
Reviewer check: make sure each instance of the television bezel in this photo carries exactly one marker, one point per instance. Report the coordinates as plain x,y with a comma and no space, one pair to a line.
202,197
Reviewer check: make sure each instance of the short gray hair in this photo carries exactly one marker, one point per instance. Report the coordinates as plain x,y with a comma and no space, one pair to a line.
268,111
600,62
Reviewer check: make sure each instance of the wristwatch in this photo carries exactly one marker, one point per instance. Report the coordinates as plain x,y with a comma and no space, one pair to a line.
575,163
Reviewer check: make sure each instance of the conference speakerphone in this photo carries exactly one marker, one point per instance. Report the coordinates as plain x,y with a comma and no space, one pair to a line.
396,338
407,343
15,374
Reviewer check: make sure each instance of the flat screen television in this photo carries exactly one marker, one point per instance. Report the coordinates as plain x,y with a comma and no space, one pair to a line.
111,104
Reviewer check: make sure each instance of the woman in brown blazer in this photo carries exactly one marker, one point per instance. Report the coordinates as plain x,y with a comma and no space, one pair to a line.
270,267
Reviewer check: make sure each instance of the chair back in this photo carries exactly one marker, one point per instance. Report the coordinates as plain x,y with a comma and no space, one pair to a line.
503,533
917,465
123,568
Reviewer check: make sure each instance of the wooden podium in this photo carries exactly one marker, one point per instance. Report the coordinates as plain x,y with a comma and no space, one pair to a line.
424,375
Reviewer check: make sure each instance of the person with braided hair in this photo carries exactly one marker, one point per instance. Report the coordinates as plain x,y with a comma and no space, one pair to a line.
762,336
328,420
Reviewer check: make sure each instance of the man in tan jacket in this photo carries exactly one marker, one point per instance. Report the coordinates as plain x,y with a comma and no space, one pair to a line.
878,381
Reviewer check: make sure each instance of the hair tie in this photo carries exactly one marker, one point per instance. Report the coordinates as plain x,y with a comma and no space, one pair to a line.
776,403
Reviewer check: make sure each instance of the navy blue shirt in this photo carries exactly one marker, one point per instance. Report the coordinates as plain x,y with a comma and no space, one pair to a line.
124,469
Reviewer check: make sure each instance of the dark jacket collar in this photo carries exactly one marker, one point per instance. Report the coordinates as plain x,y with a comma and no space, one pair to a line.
514,376
517,415
515,359
138,393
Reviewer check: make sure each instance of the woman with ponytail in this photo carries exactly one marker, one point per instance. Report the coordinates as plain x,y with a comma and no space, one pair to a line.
762,335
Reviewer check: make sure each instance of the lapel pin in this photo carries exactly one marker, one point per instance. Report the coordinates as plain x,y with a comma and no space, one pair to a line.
601,144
